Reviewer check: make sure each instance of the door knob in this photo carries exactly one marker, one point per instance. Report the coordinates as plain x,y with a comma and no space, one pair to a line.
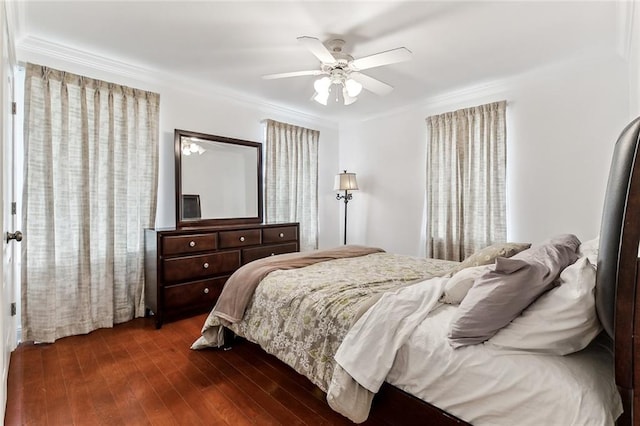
14,236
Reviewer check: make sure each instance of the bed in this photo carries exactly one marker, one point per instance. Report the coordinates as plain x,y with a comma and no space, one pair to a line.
309,323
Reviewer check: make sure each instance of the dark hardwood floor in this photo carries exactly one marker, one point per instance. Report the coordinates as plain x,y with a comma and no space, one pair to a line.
134,374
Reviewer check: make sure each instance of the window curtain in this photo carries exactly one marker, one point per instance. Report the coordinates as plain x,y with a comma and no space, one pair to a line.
90,187
466,181
291,179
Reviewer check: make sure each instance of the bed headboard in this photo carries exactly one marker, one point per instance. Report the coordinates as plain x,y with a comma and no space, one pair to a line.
616,295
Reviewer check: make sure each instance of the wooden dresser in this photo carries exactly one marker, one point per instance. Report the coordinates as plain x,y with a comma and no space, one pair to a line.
187,268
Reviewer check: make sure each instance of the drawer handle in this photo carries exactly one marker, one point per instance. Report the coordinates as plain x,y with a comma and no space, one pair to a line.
206,265
241,238
192,243
206,291
281,235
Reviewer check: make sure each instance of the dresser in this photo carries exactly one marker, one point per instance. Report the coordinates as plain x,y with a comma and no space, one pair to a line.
186,268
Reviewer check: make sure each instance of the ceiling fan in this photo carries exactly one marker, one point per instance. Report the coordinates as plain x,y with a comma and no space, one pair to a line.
339,68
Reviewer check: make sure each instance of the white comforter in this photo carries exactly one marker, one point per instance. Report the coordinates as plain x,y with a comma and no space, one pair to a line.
403,340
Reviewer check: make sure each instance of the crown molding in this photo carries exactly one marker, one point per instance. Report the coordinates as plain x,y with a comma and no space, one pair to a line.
12,13
32,48
625,27
466,94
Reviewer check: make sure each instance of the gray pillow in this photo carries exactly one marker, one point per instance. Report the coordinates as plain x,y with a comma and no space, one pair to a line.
488,255
506,289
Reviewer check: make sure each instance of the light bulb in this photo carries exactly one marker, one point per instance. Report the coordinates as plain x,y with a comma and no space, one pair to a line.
321,97
353,87
348,100
322,85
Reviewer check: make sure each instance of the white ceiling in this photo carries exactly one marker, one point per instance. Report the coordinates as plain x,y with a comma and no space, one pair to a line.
230,45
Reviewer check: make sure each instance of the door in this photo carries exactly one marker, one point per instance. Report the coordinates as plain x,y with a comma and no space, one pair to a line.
7,123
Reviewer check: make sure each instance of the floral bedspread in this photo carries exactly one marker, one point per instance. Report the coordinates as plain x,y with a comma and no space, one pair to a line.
302,315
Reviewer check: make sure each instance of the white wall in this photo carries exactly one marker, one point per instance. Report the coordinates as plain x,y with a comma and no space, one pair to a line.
183,106
634,62
562,122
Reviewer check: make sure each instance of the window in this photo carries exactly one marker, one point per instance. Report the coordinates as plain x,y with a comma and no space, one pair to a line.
466,174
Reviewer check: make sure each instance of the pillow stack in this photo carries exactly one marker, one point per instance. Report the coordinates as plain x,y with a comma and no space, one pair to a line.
561,321
501,292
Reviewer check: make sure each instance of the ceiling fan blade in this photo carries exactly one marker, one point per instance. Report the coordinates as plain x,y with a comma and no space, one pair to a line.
291,74
371,84
393,56
318,49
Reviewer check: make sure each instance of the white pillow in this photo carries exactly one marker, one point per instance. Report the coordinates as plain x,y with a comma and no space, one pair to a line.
459,284
589,249
561,321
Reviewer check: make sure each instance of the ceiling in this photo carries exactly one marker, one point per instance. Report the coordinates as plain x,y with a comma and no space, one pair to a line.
230,45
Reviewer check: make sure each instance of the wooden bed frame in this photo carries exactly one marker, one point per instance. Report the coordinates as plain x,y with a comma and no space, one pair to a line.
617,295
617,298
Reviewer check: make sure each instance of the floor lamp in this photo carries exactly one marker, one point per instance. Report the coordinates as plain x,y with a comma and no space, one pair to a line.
345,182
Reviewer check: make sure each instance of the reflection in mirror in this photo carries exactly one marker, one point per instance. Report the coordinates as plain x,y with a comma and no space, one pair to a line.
222,175
191,207
219,180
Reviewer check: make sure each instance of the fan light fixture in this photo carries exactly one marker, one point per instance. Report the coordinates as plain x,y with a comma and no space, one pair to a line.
350,88
341,69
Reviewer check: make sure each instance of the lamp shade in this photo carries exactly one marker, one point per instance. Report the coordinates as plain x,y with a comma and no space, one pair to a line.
353,87
322,85
321,98
345,182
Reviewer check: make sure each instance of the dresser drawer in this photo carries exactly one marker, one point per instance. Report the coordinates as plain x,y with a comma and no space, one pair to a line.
248,237
185,244
251,254
280,234
182,297
204,265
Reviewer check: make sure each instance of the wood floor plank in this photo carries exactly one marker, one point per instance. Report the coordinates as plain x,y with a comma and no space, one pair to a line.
154,393
212,398
80,405
274,389
211,368
310,405
249,396
192,397
212,395
120,370
32,368
57,401
262,398
150,402
227,386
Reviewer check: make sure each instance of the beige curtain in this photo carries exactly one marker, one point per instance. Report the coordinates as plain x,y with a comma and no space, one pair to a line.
291,179
90,187
466,173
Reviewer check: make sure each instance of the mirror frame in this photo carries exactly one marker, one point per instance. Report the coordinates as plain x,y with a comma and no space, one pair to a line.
180,223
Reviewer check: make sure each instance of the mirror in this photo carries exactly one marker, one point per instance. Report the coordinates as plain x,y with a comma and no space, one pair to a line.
218,180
